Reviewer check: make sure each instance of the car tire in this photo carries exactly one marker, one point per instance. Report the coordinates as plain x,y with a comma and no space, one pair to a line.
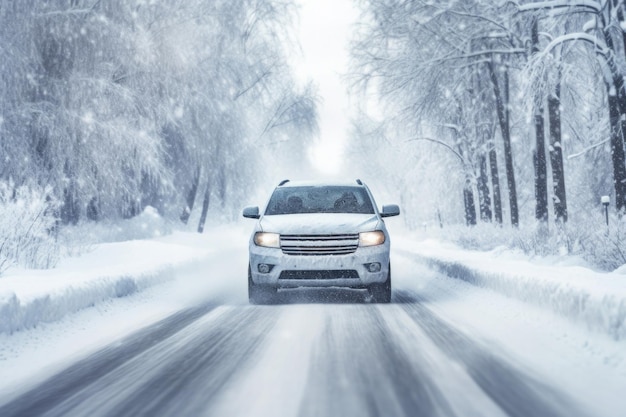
382,292
259,294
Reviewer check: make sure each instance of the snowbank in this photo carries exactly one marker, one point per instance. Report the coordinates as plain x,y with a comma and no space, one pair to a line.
578,293
111,270
29,297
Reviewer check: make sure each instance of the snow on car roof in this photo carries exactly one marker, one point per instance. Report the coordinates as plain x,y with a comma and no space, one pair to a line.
314,183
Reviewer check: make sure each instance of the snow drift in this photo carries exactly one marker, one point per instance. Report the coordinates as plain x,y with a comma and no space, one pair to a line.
596,299
28,297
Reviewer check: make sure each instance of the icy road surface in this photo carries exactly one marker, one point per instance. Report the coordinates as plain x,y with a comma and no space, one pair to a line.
442,348
306,360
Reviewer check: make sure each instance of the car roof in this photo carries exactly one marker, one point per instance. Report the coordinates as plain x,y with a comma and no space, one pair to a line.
313,183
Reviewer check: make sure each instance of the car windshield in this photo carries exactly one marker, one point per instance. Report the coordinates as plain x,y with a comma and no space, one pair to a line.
326,199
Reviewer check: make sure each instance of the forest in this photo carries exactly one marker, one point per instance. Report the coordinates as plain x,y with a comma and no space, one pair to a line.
508,116
498,123
108,107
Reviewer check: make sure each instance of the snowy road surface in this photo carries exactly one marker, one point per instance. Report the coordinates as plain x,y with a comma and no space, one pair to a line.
307,360
442,348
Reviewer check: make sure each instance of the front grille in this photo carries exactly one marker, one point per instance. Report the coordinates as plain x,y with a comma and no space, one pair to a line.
331,274
319,244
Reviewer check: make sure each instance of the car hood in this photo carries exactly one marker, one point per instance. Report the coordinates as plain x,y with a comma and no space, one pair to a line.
319,223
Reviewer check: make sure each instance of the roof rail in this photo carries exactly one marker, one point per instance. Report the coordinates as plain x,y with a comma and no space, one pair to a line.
358,181
283,182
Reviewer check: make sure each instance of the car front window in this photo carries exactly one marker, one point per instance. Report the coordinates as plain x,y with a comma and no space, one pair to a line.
327,199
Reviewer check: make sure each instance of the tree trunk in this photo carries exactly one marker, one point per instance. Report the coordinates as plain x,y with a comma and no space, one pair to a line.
205,207
495,185
621,19
502,108
617,153
70,212
93,210
470,207
539,156
541,175
556,156
221,188
483,190
191,197
617,117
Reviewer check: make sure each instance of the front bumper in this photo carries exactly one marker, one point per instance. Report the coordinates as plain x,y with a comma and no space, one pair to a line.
348,270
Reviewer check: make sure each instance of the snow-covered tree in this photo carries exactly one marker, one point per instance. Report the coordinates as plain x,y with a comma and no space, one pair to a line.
117,105
519,85
602,32
446,67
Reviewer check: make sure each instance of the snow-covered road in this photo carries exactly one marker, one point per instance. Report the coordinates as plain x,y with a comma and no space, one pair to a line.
306,360
442,348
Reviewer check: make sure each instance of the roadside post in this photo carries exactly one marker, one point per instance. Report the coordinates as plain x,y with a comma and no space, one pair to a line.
605,199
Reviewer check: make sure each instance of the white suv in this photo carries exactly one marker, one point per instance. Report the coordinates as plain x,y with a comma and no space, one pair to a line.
319,235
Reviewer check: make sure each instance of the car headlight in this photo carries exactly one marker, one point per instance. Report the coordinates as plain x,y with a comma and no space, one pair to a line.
376,237
268,240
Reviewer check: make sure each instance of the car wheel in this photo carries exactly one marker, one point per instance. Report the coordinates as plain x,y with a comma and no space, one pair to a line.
382,292
259,294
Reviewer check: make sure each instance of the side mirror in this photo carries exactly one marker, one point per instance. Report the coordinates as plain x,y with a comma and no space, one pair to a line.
390,210
251,212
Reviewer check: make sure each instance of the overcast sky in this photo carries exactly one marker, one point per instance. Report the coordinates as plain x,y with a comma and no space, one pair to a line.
324,34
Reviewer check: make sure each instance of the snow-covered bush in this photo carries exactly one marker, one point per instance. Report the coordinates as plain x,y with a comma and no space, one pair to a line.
27,227
80,238
480,237
589,239
605,246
